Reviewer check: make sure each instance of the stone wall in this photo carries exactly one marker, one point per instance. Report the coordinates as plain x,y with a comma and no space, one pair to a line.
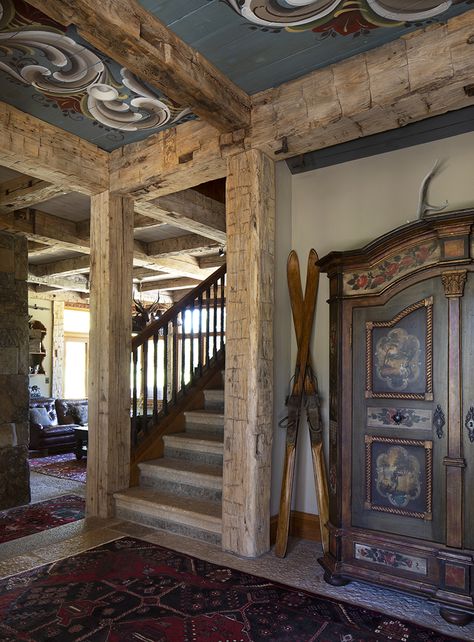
14,396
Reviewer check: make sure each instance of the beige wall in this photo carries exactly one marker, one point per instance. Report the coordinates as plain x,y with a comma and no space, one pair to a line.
343,207
46,318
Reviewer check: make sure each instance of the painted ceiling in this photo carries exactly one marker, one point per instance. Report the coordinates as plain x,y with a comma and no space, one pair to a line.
263,43
52,73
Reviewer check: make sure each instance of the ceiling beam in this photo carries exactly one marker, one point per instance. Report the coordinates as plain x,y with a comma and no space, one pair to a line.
63,267
25,191
136,39
422,74
31,146
73,283
214,261
180,245
189,210
169,284
53,294
172,160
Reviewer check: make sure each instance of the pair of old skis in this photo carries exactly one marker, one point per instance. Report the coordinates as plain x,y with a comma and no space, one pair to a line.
304,390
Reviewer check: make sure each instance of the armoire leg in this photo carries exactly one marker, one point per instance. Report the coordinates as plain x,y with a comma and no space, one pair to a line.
460,618
335,580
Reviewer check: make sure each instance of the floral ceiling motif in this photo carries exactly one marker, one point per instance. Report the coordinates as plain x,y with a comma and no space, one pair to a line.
343,16
70,75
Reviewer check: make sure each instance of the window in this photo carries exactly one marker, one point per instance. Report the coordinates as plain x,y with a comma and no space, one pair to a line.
76,351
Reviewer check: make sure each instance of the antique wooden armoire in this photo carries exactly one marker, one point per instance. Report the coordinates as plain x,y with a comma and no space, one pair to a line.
401,434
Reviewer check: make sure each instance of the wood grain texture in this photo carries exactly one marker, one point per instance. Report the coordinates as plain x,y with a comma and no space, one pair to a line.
36,148
25,191
249,354
128,33
108,458
420,75
57,376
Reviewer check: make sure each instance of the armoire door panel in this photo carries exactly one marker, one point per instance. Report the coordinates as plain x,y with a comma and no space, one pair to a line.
399,393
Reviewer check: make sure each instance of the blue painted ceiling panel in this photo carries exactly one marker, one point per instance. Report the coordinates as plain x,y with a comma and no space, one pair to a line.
262,43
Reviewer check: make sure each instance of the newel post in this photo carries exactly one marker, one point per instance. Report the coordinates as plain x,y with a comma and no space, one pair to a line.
250,205
108,457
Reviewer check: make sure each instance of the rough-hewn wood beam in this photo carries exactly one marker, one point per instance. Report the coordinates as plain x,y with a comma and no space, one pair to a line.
180,245
48,294
45,228
135,38
64,267
25,191
214,261
36,148
188,210
420,75
172,160
73,283
169,284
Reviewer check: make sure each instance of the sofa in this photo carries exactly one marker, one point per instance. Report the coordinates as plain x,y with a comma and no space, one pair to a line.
52,423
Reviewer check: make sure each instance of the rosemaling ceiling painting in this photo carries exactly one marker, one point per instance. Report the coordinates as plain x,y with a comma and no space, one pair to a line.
49,71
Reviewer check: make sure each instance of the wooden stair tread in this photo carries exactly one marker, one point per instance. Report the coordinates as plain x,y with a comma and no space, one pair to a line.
174,507
181,466
204,439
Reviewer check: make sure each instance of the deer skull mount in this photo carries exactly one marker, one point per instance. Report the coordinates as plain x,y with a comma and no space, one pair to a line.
143,314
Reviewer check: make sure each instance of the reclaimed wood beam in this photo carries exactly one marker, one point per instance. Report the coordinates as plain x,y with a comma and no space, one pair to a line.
214,261
424,73
64,267
172,160
53,294
45,228
136,39
189,210
31,146
169,284
180,245
73,283
25,191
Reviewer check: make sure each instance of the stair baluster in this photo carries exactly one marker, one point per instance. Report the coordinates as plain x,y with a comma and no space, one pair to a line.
176,360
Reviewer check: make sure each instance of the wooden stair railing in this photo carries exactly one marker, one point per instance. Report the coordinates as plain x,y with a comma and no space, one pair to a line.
171,353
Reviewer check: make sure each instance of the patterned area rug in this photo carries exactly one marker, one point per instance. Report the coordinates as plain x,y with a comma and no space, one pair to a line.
33,518
65,466
130,590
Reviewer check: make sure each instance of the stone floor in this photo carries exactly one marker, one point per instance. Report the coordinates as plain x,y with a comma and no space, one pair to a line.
299,568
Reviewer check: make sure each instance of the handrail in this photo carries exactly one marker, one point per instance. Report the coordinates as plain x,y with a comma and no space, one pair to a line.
187,299
172,352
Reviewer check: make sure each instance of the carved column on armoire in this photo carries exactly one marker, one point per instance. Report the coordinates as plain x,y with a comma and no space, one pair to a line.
453,283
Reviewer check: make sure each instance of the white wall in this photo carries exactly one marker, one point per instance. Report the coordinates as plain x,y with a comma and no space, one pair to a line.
43,313
343,207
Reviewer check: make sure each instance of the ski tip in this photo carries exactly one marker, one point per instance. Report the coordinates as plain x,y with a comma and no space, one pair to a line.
313,255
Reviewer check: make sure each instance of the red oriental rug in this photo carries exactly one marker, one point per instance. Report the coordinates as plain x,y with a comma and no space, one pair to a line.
133,591
65,466
33,518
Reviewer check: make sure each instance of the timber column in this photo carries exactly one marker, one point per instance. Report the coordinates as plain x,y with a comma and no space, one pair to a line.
108,456
250,205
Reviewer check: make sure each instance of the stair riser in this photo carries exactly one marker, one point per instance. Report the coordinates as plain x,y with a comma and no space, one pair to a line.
208,428
214,406
180,489
193,455
126,513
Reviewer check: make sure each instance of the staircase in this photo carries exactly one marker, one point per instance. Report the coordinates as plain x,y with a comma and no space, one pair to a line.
180,489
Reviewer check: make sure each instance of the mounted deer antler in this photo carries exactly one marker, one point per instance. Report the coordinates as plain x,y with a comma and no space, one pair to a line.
144,314
424,207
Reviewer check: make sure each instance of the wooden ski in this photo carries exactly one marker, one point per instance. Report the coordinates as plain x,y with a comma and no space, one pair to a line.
313,410
305,316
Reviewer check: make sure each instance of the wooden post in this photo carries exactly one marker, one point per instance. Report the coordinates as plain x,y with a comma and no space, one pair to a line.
249,354
108,456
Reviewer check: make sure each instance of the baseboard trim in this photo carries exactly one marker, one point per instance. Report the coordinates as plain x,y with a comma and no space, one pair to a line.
302,525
